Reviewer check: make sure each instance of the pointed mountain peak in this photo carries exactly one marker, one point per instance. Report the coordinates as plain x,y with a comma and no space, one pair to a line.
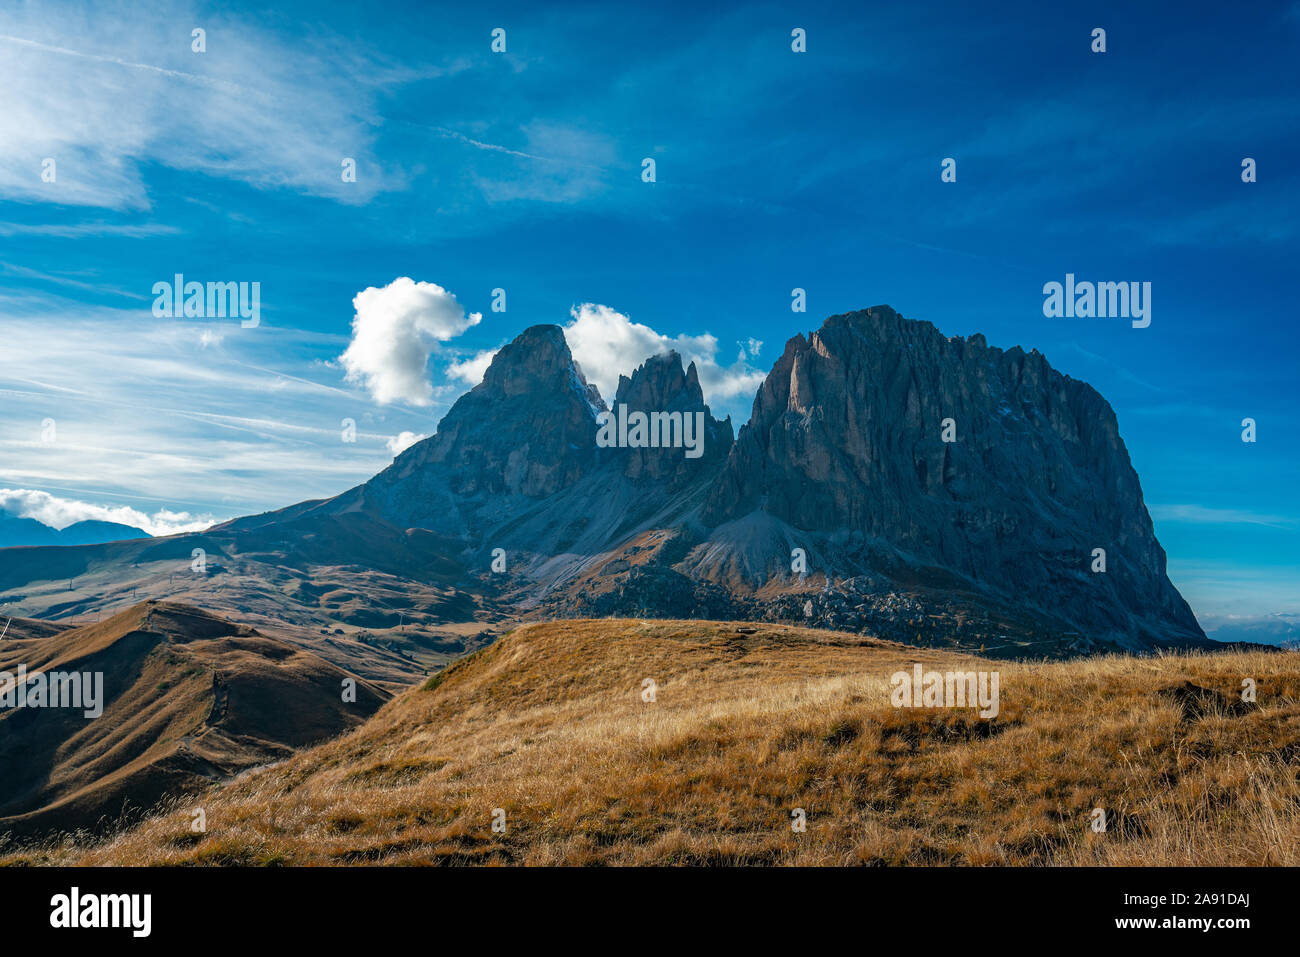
660,384
527,429
537,359
693,378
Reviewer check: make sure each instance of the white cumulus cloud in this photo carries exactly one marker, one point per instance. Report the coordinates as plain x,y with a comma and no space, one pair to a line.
608,344
471,370
62,512
400,443
395,330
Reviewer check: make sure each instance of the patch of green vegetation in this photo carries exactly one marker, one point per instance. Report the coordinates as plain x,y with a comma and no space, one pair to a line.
435,680
395,773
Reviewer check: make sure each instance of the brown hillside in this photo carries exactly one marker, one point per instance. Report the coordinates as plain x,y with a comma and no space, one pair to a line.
11,629
189,698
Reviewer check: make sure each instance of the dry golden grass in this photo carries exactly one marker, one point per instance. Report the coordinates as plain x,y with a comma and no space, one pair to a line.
549,725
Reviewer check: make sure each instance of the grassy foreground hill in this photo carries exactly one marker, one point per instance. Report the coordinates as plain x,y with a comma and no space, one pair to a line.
750,722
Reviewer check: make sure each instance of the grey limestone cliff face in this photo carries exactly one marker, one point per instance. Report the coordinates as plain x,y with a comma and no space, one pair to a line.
527,431
847,436
661,385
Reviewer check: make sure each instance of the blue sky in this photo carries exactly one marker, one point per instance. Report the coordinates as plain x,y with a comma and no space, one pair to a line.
522,171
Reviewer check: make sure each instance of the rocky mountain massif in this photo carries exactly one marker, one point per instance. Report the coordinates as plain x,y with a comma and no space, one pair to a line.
891,480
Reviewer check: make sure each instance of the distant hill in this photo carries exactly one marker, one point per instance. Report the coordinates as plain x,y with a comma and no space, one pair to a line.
27,532
16,531
752,723
188,700
1282,630
14,628
97,533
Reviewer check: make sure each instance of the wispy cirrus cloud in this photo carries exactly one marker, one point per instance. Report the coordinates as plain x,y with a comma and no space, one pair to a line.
73,281
103,95
1217,516
107,406
82,230
560,163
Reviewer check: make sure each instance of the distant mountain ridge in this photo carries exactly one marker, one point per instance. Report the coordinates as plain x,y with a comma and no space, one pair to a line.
28,532
1281,630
